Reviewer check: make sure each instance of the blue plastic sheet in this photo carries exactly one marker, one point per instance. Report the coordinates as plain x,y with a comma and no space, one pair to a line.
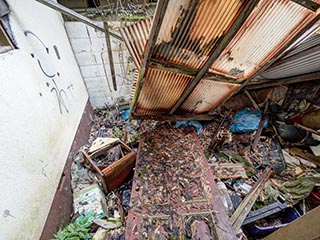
194,124
246,121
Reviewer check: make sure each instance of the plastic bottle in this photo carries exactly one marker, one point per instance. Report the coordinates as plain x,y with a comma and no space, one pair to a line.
225,197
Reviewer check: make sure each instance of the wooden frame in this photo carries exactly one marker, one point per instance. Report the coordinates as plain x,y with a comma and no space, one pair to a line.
114,175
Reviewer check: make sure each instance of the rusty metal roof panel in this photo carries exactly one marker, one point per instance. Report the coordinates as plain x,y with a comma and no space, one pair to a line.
192,29
207,95
266,31
135,37
160,91
303,59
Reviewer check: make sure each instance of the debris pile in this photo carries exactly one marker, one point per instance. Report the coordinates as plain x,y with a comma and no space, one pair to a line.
249,174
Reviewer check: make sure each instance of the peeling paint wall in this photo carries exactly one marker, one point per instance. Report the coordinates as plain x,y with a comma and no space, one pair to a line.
89,46
42,97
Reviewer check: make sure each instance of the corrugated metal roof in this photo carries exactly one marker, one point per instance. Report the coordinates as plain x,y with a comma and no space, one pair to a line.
135,37
190,32
207,95
160,92
265,32
301,60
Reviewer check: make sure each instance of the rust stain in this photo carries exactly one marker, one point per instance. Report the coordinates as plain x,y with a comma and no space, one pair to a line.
207,95
160,91
269,27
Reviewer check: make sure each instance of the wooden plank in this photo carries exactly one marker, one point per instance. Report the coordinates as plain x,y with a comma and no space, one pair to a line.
260,128
224,42
187,117
305,155
155,29
66,11
304,228
253,102
245,206
228,170
307,129
110,56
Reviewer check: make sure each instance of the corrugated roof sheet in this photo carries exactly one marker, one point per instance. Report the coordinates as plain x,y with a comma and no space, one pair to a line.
135,37
303,59
192,29
190,32
207,95
161,91
265,32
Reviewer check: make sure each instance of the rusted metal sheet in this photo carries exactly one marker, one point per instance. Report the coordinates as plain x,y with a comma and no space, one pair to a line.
172,188
191,33
303,59
135,37
269,27
192,29
207,95
160,91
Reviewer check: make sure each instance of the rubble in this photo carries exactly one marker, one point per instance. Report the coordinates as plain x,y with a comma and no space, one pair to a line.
267,176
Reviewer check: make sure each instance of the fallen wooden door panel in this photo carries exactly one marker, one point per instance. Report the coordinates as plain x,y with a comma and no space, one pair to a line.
173,189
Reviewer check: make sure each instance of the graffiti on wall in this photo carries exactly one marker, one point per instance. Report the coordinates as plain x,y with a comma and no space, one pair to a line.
44,57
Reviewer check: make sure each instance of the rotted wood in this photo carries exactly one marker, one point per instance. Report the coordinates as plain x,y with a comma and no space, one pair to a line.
110,56
187,117
260,128
304,228
101,179
306,129
253,102
244,14
73,14
305,155
155,29
245,206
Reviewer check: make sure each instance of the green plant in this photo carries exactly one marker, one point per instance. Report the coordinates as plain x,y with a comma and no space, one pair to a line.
77,230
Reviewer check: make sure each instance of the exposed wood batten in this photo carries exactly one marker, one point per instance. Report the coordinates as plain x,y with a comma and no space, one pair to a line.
110,56
167,66
283,81
155,29
309,4
221,46
66,11
187,117
268,64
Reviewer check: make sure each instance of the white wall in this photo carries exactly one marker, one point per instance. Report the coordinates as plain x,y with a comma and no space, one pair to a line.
89,46
38,118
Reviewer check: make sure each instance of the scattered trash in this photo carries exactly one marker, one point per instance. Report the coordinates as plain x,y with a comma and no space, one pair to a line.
266,173
90,200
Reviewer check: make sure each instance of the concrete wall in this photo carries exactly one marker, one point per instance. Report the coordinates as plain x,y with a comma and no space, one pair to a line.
42,97
89,46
